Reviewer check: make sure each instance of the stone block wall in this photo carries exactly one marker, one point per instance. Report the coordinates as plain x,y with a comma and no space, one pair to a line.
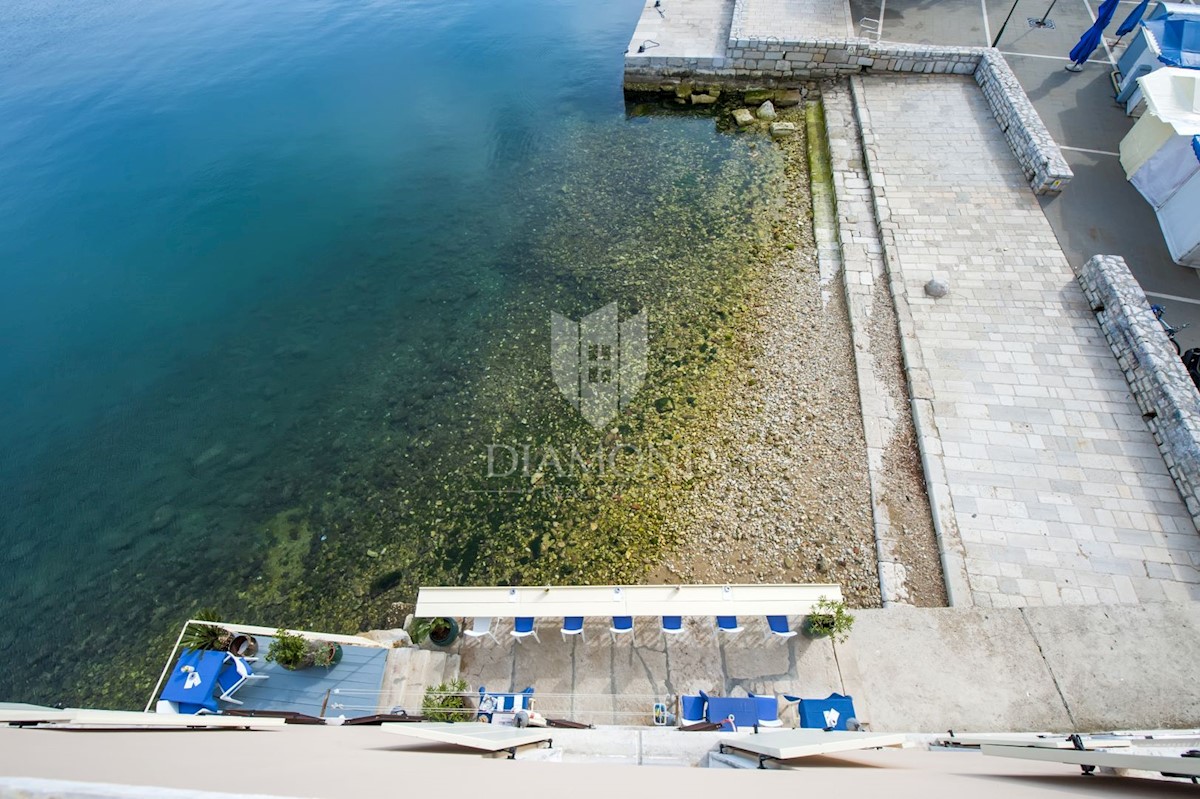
1043,163
1164,392
831,57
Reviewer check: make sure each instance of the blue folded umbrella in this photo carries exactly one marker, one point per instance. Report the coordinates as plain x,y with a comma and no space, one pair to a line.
1133,19
1092,36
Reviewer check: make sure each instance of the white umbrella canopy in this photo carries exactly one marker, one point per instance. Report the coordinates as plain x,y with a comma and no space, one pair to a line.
1173,95
1172,117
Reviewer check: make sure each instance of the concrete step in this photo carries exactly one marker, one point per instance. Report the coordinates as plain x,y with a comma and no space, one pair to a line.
451,669
408,673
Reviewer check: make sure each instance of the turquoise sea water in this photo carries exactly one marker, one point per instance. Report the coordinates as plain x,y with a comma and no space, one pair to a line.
243,243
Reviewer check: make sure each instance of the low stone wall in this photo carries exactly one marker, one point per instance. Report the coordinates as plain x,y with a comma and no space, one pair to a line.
770,60
1159,382
829,57
1043,163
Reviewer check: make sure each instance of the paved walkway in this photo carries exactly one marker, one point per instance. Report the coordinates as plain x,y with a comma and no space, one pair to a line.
684,29
791,19
909,669
1058,490
1100,212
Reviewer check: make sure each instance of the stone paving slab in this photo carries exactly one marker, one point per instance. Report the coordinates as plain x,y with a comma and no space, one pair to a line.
1057,488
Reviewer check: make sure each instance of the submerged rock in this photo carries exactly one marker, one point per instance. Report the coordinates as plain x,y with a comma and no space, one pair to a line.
743,117
781,129
241,460
161,518
208,456
766,111
664,405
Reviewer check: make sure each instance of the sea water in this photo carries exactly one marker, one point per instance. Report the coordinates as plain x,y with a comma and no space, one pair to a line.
274,273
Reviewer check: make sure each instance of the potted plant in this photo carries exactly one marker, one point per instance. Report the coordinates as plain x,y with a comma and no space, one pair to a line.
829,619
206,636
440,631
445,702
244,646
326,653
291,651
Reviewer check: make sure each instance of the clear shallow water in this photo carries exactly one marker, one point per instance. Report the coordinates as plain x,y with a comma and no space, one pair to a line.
268,268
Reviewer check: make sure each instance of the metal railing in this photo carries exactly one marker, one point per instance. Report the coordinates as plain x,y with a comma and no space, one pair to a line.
607,709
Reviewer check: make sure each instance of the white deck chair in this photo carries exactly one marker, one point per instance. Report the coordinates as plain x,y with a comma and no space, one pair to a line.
481,626
229,683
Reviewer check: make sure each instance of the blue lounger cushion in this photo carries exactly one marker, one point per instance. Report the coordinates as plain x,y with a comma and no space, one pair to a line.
819,713
768,710
691,709
743,709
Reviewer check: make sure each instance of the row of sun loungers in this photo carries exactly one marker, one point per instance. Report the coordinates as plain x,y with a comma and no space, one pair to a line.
526,627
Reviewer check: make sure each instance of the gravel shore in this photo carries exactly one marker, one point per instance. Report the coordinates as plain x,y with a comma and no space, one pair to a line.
786,497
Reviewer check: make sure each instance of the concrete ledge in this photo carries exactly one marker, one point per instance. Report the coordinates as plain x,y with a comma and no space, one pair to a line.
1055,669
1160,384
1123,666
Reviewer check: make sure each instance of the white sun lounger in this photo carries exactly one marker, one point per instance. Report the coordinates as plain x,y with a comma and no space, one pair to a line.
795,744
481,737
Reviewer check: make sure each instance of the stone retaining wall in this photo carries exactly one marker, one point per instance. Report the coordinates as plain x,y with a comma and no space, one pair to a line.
1043,163
771,60
1159,382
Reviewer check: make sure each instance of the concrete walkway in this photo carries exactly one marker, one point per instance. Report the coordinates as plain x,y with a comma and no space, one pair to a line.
1058,491
1084,668
791,19
692,29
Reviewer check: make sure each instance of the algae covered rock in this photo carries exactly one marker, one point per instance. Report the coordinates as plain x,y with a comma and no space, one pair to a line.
758,96
781,129
703,99
788,98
